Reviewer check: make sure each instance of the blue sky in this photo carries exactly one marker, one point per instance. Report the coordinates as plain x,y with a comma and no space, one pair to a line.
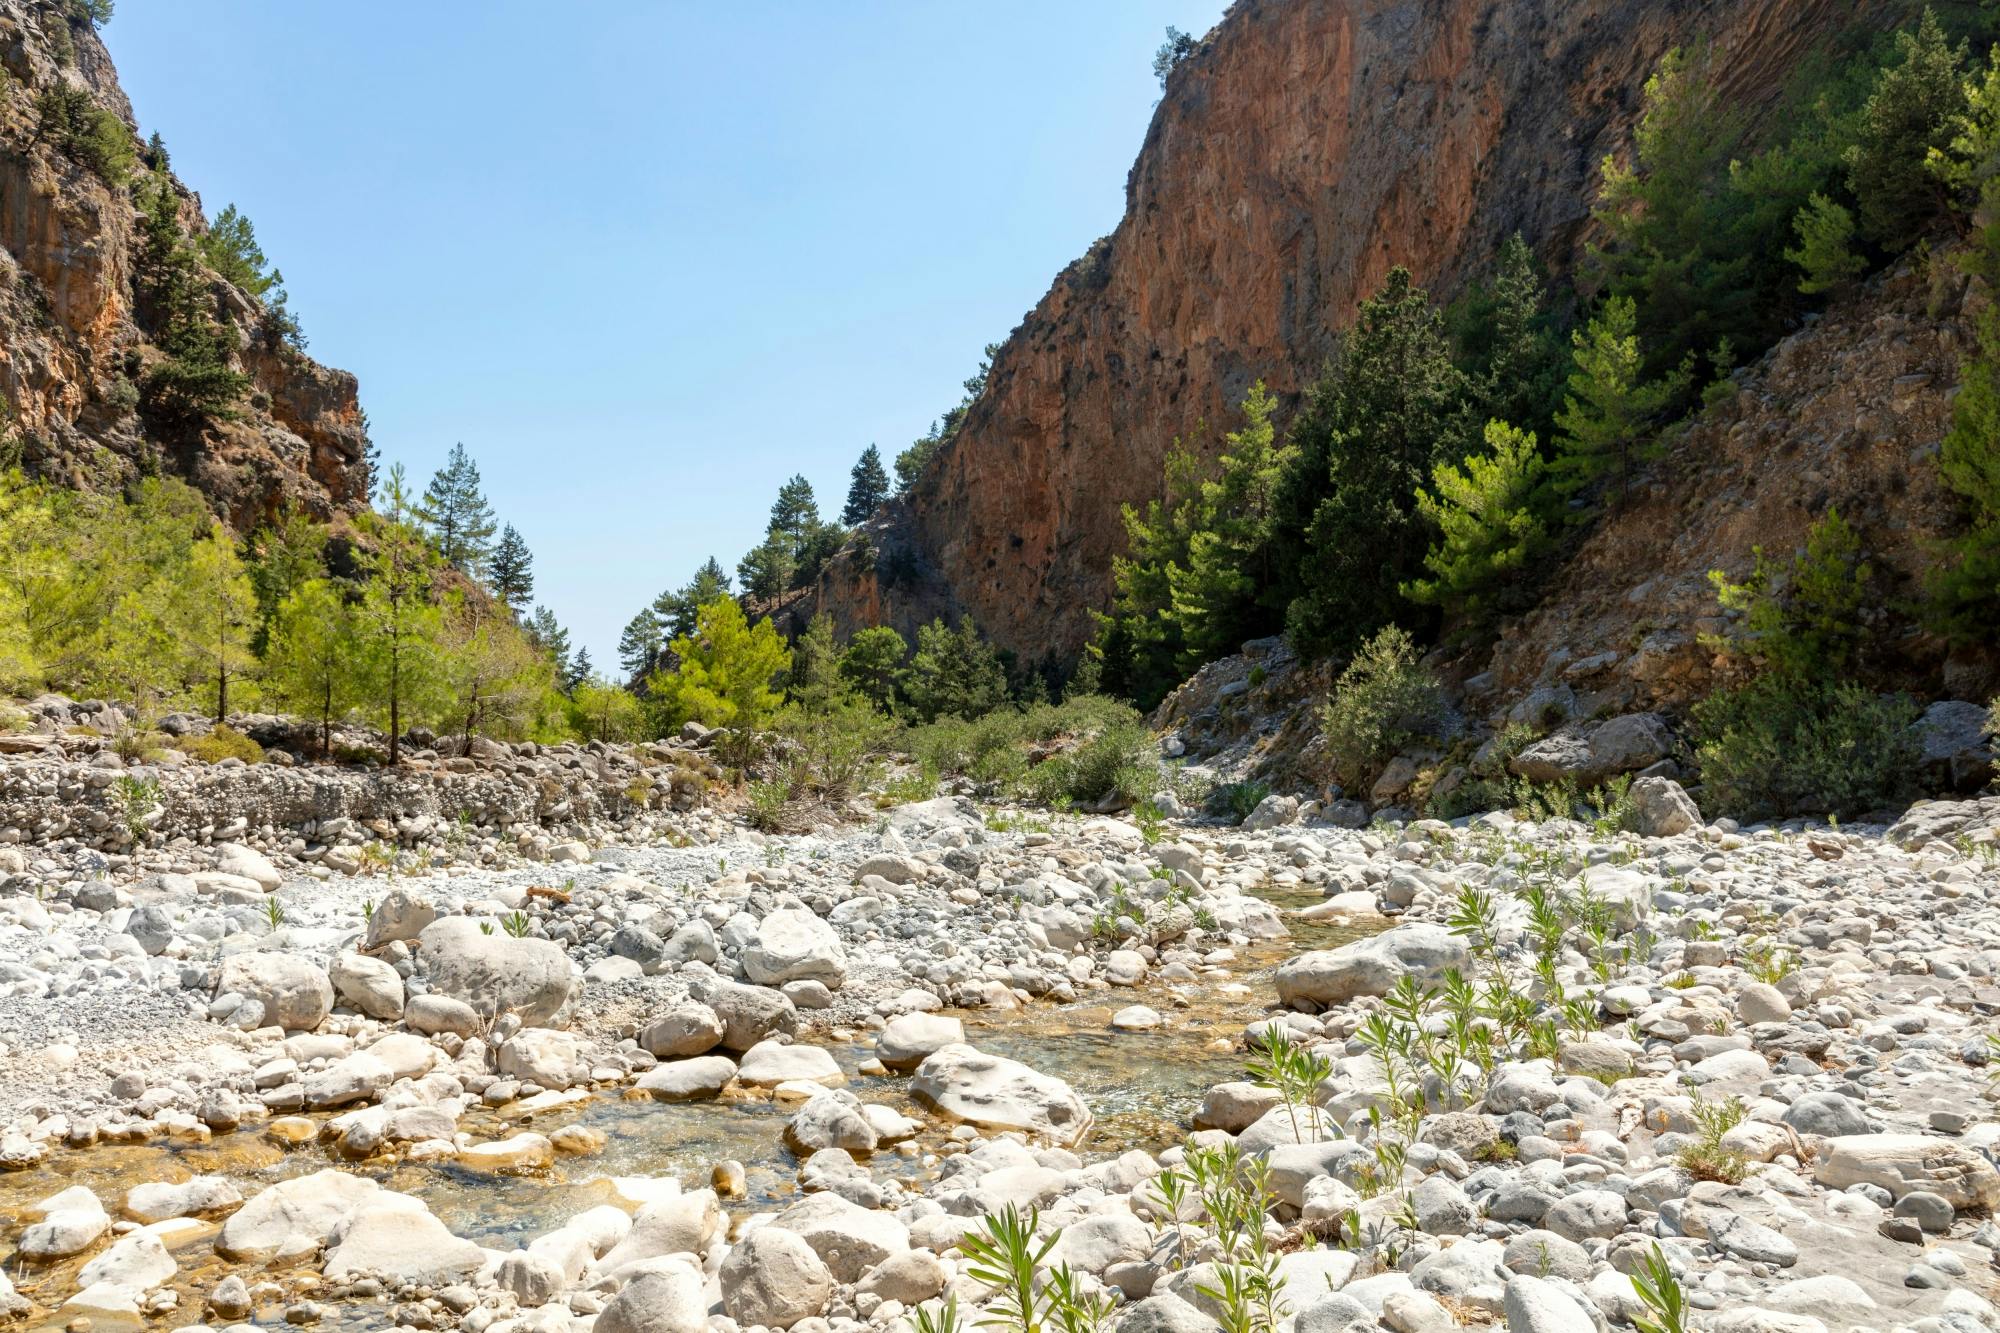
647,260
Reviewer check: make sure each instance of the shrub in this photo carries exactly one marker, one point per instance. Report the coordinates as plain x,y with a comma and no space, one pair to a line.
1779,747
1237,799
1119,760
221,742
1384,701
834,748
1077,750
769,805
1806,620
87,132
1910,116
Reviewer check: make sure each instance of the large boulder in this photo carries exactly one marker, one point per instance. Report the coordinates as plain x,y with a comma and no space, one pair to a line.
401,915
368,985
293,1218
681,1224
687,1080
1907,1163
546,1058
849,1239
689,1028
769,1063
907,1040
1371,966
233,858
659,1296
1957,742
773,1279
70,1222
994,1092
792,944
1620,745
750,1013
394,1236
497,974
294,990
1661,808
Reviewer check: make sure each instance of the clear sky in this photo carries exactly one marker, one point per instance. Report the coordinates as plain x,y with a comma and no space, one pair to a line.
647,260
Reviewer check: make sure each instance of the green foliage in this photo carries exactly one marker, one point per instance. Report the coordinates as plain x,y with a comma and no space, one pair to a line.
1913,113
1705,1157
1964,587
1507,342
914,461
1488,516
1384,702
285,556
1804,622
551,639
1779,747
1178,47
1389,408
220,743
605,712
455,514
309,658
511,571
87,132
1825,252
1610,409
814,680
724,674
490,679
397,624
873,664
1192,585
1117,762
867,488
1660,1292
196,380
215,611
1090,746
231,249
767,569
954,673
97,13
639,644
678,608
1237,799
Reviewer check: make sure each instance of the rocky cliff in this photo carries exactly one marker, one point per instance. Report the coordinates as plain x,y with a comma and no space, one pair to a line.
75,340
1303,150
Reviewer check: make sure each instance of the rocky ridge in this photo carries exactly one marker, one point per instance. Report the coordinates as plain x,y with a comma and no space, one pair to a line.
74,337
1305,148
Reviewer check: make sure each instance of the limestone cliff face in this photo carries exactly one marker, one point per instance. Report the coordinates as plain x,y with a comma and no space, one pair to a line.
73,337
1306,148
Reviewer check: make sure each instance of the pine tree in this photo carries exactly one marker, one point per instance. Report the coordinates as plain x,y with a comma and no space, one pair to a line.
1391,405
1964,588
455,513
1916,106
873,664
310,665
795,511
954,673
677,608
287,554
512,570
1610,409
639,644
218,616
1507,343
491,677
1487,515
868,488
397,623
725,672
1215,599
814,682
1825,252
550,637
580,670
767,570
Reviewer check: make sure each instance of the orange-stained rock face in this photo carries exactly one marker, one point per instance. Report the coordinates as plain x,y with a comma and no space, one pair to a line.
1305,149
72,340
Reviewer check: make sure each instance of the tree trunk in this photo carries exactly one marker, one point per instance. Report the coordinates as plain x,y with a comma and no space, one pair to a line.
395,709
221,690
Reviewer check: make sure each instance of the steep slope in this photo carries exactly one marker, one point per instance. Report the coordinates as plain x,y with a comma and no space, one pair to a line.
75,338
1306,148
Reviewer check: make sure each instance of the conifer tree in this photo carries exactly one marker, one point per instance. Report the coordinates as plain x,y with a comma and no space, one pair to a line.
310,665
725,672
954,673
867,489
580,670
397,623
873,664
639,644
1917,104
512,570
1215,599
1487,515
795,511
767,569
218,616
548,635
677,607
455,513
814,682
1610,410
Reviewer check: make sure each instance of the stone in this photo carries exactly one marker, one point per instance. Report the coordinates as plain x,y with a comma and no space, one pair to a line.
1827,1115
1165,1313
831,1120
848,1239
1536,1305
681,1224
518,1152
749,1014
434,1015
401,915
497,974
294,992
1372,966
910,1277
1761,1002
71,1221
1900,1163
233,858
157,1201
1587,1214
294,1218
689,1028
358,1077
1272,812
907,1040
1468,1273
773,1279
994,1092
687,1080
1661,808
1957,753
547,1058
395,1237
153,927
368,985
792,944
770,1063
1234,1106
659,1296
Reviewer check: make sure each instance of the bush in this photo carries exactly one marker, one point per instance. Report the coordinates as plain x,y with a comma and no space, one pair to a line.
87,132
1237,799
833,748
1779,747
1080,750
221,742
1119,760
1383,703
